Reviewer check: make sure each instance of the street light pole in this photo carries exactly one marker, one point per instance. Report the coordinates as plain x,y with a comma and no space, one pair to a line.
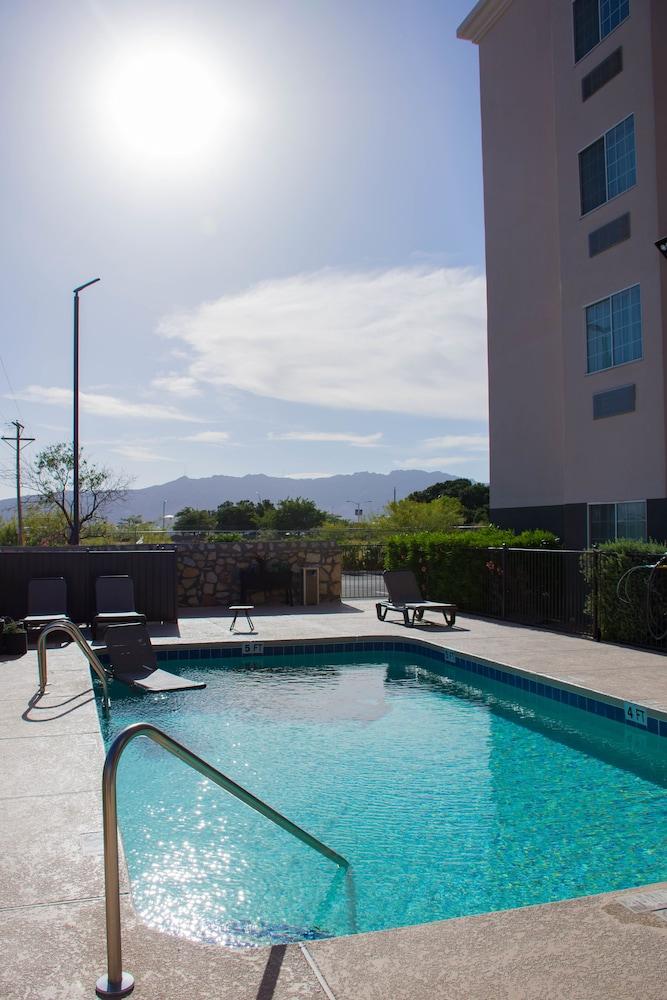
76,506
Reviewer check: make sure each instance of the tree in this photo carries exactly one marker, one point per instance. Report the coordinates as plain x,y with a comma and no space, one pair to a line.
293,514
442,514
190,519
134,527
241,516
51,478
40,527
473,496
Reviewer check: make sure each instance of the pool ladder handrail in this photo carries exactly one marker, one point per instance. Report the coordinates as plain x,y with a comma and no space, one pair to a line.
75,633
117,983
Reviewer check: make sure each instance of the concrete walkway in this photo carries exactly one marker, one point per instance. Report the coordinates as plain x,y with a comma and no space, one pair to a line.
51,881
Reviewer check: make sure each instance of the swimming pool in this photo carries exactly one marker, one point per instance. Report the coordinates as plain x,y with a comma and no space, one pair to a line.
450,793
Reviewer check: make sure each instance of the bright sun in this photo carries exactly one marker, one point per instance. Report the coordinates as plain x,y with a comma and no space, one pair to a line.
168,104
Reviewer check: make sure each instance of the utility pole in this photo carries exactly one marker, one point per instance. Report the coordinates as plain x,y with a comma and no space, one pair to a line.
18,442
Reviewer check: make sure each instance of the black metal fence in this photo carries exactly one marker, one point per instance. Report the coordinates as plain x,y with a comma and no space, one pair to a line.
565,590
362,583
153,572
552,588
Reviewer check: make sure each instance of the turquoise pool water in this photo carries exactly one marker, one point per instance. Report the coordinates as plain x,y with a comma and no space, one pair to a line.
448,797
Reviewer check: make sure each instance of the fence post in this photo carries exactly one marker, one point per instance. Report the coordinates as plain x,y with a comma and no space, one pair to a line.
597,558
503,589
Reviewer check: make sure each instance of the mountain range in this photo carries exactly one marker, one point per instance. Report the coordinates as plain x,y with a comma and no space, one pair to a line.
341,494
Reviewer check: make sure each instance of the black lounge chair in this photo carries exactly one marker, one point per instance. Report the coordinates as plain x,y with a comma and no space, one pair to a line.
47,602
405,597
114,596
133,661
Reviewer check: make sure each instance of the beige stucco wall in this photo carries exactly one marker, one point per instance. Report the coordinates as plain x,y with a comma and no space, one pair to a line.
522,260
622,457
659,67
545,446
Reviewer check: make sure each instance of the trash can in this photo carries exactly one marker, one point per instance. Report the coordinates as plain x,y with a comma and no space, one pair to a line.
310,577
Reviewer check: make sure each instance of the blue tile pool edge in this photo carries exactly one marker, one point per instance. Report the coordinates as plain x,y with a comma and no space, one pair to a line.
543,687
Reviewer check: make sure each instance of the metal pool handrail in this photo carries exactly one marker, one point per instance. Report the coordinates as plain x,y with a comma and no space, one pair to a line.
71,630
118,983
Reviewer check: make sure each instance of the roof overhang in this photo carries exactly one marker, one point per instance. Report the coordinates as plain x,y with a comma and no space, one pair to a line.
481,18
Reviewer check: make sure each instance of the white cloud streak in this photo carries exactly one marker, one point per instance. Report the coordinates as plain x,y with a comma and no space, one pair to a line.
443,463
182,386
307,475
407,340
466,442
357,440
101,405
139,453
208,437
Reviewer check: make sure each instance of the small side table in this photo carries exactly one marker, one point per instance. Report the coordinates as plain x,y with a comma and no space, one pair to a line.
242,609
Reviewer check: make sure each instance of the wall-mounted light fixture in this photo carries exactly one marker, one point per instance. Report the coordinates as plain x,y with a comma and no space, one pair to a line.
662,246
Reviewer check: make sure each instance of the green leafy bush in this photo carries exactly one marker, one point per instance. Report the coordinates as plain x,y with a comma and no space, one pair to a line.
458,566
619,619
362,556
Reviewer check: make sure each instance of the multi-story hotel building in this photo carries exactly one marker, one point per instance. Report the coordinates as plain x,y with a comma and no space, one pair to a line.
574,129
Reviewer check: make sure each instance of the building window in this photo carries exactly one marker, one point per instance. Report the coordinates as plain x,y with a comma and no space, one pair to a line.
608,166
614,330
595,19
610,521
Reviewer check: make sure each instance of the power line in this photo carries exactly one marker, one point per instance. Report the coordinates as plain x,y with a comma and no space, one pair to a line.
11,389
19,443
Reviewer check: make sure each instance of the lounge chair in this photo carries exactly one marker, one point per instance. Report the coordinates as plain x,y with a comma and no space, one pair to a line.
47,602
115,603
133,661
405,597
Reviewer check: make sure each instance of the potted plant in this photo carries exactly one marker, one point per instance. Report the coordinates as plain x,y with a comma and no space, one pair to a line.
14,638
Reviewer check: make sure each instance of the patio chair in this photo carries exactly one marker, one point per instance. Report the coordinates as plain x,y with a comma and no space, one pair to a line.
47,602
133,661
114,596
405,597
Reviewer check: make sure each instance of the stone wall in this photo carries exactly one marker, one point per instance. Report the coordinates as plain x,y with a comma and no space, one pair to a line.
208,573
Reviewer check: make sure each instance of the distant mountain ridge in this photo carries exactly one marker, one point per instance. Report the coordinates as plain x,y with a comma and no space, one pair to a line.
336,494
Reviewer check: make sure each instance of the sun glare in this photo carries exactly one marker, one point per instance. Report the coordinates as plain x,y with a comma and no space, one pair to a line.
168,104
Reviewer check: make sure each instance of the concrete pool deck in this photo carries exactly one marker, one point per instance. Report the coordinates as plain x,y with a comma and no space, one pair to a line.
51,875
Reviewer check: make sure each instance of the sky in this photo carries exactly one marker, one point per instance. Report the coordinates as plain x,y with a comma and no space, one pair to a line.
283,202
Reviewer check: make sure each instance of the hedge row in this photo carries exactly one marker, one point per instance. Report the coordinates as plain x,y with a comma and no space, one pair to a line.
457,566
619,621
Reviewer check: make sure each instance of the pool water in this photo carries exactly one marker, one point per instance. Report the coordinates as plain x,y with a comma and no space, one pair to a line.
447,798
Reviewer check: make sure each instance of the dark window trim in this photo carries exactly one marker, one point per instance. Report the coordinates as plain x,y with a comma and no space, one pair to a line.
616,231
627,394
602,74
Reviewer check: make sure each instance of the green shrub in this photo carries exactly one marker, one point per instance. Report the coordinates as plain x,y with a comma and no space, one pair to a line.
617,620
458,566
360,556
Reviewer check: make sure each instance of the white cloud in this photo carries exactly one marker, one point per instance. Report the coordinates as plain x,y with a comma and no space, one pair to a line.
101,405
139,453
208,437
178,385
408,340
466,442
307,475
357,440
442,463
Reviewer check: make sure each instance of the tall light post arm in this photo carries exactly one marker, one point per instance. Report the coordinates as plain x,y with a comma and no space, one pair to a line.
76,506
